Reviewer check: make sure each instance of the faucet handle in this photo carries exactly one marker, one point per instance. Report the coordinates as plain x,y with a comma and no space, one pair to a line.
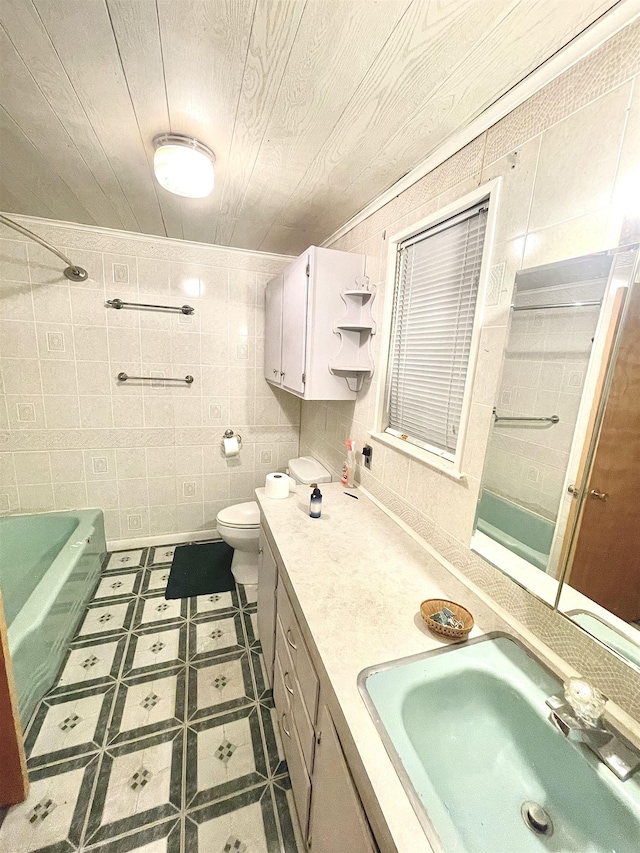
587,701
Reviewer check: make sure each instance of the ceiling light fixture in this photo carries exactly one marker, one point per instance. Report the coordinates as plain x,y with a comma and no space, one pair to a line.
183,165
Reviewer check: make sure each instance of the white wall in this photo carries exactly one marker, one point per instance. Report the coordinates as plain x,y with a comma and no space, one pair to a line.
570,162
72,436
562,196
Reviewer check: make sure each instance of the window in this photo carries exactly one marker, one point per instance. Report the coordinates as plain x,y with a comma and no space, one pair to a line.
436,290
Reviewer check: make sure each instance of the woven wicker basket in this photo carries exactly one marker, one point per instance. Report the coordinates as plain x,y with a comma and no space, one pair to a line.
433,605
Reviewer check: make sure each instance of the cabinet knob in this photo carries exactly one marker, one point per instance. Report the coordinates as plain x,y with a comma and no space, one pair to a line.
282,373
601,496
275,372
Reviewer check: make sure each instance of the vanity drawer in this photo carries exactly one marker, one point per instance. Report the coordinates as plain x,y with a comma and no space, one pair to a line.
300,782
300,659
301,719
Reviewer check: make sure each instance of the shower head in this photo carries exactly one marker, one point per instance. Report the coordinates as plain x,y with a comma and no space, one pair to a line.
72,271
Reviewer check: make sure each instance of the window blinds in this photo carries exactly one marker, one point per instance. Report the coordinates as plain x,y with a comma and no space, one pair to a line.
437,277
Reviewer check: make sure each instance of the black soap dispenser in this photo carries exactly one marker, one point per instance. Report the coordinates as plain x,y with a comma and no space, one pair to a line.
315,504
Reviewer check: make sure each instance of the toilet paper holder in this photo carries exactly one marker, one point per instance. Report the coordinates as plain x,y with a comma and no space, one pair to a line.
229,433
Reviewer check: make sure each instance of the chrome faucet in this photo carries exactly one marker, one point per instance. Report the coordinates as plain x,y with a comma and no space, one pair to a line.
578,715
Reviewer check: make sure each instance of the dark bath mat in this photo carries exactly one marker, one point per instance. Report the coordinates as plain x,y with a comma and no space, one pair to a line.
200,569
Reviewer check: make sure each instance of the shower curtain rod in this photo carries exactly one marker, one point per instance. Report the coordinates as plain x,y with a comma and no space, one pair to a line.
72,271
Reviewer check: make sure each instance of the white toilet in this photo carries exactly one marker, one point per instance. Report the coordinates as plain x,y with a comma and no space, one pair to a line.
239,525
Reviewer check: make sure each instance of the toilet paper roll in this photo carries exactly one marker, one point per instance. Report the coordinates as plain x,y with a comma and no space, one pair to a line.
277,486
231,446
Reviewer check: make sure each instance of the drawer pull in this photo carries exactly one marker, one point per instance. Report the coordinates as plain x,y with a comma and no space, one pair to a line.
284,728
286,686
290,641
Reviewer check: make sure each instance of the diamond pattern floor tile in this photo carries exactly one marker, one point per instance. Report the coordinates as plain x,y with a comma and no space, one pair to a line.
157,609
154,739
69,725
52,815
158,556
90,663
117,585
138,783
216,602
224,756
216,636
219,685
108,618
155,580
148,704
125,560
155,648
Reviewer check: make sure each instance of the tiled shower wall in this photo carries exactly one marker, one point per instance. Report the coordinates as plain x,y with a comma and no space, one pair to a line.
569,158
148,454
545,364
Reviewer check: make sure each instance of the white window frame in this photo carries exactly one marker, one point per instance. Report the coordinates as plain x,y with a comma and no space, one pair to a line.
488,192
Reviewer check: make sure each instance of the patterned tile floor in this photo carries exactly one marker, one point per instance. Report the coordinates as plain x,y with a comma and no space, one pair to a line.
159,734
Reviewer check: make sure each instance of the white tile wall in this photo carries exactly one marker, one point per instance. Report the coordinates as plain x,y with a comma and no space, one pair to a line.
147,453
545,364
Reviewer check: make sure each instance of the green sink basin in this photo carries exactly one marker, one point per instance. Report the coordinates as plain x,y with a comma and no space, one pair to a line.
468,731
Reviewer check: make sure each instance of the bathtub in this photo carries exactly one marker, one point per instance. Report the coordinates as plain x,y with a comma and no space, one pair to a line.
49,566
523,532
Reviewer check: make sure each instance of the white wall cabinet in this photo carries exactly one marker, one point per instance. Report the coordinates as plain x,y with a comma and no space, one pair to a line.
337,820
273,331
301,308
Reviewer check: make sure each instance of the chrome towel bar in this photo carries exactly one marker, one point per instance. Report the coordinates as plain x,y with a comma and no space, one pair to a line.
118,303
554,419
122,377
556,305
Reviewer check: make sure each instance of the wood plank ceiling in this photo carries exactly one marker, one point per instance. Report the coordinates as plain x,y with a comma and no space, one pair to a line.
313,107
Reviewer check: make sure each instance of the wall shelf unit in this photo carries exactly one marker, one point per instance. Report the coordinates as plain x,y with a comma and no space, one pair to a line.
355,329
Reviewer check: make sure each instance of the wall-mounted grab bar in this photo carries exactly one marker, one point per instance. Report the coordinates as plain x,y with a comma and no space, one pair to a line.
554,419
118,303
122,377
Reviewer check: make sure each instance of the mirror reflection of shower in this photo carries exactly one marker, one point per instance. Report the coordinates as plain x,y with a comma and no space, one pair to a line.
554,316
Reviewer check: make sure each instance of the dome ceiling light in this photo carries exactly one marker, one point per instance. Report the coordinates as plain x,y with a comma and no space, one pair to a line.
183,165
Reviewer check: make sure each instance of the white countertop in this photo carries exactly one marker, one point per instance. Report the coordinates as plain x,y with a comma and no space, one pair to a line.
357,578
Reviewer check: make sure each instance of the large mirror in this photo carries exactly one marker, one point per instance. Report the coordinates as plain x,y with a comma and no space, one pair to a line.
557,498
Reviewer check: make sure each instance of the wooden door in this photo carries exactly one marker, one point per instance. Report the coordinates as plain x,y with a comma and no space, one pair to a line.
606,559
273,331
267,582
294,325
14,782
337,821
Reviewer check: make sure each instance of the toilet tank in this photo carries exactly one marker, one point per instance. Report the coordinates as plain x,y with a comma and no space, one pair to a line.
306,470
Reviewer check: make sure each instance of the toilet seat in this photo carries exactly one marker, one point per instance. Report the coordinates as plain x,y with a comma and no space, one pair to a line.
242,516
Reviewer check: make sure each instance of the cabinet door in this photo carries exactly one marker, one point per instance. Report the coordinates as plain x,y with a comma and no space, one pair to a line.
267,582
273,330
294,324
337,820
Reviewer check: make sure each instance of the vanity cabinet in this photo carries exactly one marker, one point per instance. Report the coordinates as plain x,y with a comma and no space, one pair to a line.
267,584
337,820
327,804
301,307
